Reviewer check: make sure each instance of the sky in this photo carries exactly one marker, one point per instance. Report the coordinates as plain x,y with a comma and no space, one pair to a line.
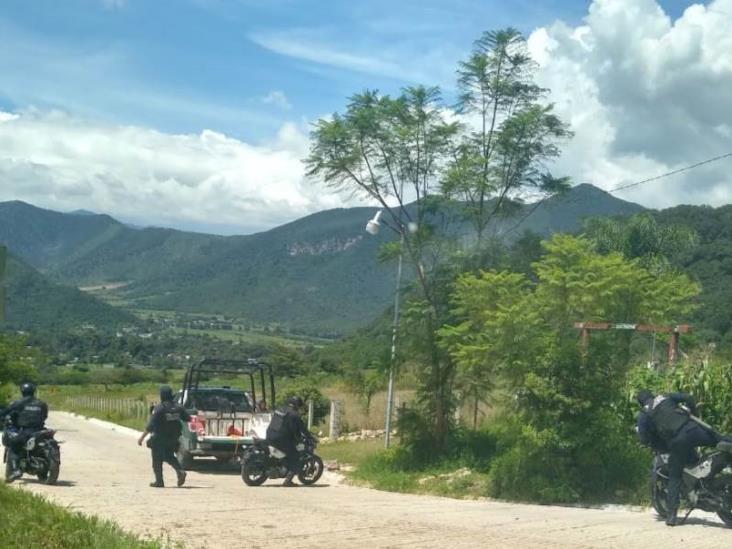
195,114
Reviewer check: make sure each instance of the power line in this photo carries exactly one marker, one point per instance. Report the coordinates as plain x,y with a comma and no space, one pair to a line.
536,205
674,172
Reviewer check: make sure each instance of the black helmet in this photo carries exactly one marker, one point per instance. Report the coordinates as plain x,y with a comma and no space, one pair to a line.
296,402
27,389
643,396
166,393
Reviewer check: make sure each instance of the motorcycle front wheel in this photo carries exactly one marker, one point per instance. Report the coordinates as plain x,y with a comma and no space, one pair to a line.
253,472
311,470
725,512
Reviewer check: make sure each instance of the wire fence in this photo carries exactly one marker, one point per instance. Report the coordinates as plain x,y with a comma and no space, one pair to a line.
126,407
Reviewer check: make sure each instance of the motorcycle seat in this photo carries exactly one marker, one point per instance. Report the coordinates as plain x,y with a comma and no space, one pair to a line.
44,433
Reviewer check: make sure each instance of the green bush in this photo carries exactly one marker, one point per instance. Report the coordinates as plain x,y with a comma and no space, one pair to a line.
8,392
601,462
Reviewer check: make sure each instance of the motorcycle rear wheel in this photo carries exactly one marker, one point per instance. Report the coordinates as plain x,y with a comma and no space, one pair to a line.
659,492
50,476
253,472
311,470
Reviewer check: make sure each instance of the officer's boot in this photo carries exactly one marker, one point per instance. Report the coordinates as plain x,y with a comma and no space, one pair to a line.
158,482
181,476
16,473
288,479
671,519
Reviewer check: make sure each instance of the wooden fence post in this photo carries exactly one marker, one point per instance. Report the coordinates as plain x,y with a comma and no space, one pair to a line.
311,412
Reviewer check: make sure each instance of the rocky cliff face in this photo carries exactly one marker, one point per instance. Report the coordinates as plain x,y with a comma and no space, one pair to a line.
329,246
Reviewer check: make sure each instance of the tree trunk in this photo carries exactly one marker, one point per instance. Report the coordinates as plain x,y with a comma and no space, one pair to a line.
475,413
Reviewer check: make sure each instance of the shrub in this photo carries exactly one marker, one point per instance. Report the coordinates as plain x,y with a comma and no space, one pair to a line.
601,462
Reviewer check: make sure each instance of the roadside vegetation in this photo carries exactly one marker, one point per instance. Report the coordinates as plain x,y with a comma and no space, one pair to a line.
29,520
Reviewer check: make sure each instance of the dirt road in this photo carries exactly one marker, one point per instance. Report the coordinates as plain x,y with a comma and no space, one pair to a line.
105,473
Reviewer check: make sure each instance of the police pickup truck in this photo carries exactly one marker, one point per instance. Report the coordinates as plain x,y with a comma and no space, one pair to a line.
224,417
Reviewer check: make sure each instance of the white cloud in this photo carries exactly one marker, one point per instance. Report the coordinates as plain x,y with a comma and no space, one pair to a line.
207,181
302,47
278,99
401,61
645,95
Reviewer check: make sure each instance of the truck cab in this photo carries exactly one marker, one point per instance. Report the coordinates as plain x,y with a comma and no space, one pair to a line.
224,416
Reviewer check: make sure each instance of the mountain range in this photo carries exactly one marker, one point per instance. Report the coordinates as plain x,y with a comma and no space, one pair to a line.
318,274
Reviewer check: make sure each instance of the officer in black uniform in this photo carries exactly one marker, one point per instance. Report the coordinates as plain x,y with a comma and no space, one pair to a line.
285,431
165,426
27,415
667,427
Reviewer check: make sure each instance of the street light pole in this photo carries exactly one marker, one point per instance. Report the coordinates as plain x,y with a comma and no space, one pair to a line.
392,363
372,227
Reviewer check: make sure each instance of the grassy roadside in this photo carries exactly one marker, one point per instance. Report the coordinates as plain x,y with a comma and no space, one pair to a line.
466,477
29,520
350,453
61,397
112,417
372,468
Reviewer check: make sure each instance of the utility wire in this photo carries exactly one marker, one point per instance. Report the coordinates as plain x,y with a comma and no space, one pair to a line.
622,187
674,172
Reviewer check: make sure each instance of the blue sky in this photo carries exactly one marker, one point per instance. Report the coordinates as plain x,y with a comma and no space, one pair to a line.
242,66
195,113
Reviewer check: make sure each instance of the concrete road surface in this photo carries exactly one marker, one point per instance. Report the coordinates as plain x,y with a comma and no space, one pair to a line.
105,473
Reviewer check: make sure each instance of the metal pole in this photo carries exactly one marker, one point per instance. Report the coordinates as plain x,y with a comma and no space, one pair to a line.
395,328
3,256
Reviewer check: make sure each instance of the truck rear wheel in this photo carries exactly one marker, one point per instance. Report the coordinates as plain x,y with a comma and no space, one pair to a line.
185,458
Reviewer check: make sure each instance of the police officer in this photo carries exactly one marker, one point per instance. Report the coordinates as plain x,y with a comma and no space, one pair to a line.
165,426
285,431
27,415
667,427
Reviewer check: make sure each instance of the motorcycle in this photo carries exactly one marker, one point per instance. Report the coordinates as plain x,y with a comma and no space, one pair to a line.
39,455
706,484
260,461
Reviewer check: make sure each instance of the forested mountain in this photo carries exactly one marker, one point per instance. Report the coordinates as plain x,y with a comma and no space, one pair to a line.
710,262
319,273
34,302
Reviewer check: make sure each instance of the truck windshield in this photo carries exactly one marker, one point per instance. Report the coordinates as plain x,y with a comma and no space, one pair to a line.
221,401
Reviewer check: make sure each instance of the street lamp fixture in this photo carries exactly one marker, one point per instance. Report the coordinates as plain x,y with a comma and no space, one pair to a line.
373,226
